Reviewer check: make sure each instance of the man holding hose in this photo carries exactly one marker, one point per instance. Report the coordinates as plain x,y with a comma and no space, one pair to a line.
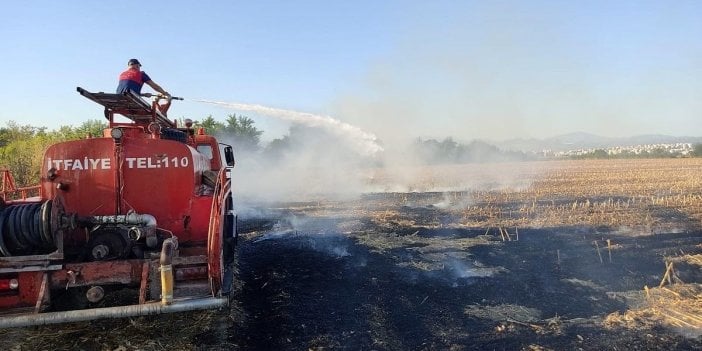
134,78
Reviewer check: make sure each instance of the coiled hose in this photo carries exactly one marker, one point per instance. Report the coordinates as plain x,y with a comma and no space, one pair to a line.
25,229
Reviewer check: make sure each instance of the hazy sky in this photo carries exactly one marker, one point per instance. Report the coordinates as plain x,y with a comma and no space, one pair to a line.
467,69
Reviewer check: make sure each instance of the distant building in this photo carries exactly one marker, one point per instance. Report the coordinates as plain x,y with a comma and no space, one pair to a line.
683,149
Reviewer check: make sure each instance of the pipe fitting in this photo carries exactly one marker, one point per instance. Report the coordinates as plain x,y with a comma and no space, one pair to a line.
133,218
134,233
166,268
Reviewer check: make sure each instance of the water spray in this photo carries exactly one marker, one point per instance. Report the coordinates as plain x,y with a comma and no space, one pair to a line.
366,142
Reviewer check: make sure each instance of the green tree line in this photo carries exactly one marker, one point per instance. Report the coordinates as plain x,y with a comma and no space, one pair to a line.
448,151
22,146
239,130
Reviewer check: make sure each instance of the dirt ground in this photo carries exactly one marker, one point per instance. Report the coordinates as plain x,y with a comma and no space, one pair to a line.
425,270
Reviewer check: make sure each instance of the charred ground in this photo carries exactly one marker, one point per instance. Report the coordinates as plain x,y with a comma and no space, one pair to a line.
414,287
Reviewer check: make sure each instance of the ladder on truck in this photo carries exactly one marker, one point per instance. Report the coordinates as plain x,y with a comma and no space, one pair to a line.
131,106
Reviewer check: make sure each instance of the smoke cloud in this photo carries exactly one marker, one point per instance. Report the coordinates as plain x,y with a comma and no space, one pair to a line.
320,158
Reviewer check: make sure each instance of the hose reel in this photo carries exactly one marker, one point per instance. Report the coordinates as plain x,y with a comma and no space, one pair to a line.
28,229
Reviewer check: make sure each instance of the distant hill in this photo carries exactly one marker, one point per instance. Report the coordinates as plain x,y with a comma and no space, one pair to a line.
580,140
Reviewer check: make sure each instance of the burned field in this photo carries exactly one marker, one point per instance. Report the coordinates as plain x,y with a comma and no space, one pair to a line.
585,255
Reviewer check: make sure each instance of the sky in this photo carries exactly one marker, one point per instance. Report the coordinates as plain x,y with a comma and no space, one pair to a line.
397,69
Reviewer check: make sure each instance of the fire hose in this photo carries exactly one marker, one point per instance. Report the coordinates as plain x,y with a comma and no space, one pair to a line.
161,96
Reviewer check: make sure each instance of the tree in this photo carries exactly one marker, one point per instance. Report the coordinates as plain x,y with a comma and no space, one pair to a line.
449,151
275,150
13,132
211,125
600,153
659,153
22,147
697,150
23,157
242,129
92,128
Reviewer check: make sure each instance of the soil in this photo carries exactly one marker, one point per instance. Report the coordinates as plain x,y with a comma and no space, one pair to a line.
387,286
402,271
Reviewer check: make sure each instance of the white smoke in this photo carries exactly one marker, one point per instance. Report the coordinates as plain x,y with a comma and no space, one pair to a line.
366,143
321,158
